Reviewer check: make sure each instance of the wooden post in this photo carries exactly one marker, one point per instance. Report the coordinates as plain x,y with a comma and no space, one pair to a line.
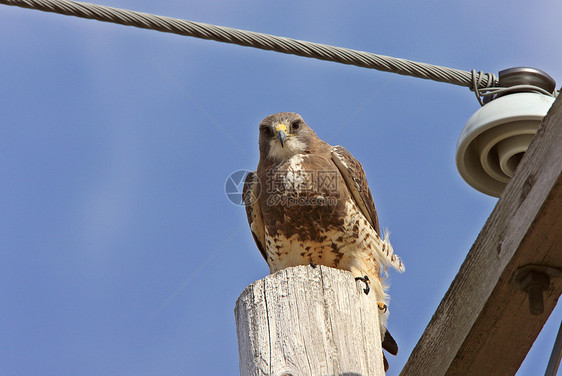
308,321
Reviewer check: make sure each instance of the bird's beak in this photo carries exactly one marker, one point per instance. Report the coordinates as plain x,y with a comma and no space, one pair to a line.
282,136
281,130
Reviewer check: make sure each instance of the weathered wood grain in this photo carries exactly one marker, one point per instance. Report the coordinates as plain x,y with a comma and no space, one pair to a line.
483,325
308,321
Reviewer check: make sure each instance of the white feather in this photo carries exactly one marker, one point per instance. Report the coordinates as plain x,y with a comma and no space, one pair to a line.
291,147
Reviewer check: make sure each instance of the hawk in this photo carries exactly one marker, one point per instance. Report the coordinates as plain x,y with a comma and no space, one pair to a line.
309,203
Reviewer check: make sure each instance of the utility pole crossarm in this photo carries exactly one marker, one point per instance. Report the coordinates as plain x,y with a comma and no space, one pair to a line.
484,325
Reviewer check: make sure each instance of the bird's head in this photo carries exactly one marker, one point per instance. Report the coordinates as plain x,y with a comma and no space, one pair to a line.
284,135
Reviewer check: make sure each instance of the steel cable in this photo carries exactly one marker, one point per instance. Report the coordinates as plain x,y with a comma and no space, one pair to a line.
259,40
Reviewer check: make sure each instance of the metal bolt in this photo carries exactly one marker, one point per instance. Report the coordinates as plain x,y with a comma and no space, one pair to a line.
534,283
534,280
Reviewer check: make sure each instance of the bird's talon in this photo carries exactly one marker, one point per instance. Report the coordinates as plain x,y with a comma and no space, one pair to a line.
365,280
382,306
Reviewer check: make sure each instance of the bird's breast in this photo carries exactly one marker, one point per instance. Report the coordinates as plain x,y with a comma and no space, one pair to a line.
302,177
338,241
303,196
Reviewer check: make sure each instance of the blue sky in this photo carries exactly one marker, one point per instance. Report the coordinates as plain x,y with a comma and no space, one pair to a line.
120,253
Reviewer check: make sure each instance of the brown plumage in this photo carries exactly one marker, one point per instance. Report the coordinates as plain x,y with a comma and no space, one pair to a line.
309,202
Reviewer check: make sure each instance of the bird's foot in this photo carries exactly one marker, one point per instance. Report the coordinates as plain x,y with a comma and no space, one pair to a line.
382,307
366,281
313,265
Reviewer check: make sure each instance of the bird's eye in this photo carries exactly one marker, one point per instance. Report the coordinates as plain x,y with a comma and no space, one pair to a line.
266,131
296,124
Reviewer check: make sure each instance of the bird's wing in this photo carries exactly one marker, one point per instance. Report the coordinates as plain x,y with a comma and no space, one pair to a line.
250,194
356,182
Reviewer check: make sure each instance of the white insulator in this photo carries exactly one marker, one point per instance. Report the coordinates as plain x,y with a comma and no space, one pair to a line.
495,138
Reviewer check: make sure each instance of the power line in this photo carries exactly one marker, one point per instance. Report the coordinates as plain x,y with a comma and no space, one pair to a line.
259,40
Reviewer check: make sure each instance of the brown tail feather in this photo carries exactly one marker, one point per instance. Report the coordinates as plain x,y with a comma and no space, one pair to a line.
386,366
389,344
